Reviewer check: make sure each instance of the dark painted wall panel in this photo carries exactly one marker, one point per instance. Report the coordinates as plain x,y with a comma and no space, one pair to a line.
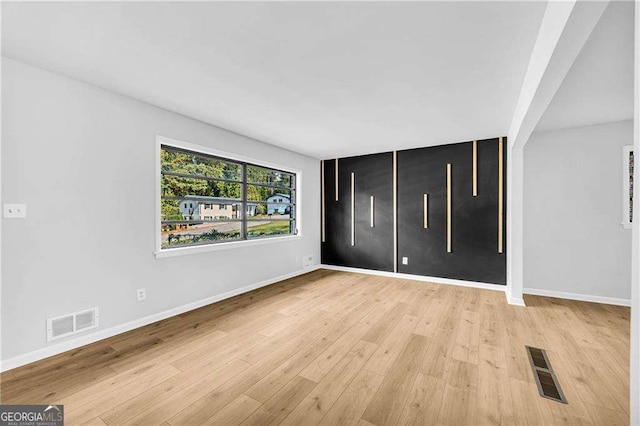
474,254
372,249
474,230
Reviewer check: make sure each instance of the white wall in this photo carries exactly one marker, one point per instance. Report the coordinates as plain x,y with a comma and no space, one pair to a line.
573,240
83,160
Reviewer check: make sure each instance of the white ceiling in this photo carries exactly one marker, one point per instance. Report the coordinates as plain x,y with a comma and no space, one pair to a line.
325,79
599,85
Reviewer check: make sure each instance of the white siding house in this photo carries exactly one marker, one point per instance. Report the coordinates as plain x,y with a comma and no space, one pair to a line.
278,204
211,208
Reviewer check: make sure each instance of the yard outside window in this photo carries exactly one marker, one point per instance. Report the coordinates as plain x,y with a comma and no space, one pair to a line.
208,200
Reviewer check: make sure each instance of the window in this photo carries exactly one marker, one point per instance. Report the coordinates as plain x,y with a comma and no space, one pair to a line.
206,181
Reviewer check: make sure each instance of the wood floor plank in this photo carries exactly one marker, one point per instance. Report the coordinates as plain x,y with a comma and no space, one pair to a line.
494,399
80,413
424,401
144,401
219,353
392,346
428,322
177,401
313,408
303,332
298,362
492,328
350,406
282,403
388,403
459,406
467,341
607,416
326,360
439,354
45,393
96,421
170,352
387,323
236,412
207,406
528,407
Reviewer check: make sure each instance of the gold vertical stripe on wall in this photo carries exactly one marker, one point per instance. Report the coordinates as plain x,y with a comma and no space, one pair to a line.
323,198
448,207
372,211
475,168
353,209
395,211
425,211
336,179
500,193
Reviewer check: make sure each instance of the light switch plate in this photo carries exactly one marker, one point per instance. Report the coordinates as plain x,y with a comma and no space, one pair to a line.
15,211
405,260
141,294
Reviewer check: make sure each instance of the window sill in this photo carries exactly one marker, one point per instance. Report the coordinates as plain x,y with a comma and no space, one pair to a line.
182,251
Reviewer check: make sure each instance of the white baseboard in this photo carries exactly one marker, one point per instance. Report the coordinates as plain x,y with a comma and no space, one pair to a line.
86,339
580,297
436,280
515,301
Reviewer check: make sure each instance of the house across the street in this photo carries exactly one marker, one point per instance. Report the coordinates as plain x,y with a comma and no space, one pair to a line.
278,204
211,208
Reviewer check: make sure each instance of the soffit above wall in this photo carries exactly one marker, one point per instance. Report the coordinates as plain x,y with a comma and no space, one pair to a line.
599,86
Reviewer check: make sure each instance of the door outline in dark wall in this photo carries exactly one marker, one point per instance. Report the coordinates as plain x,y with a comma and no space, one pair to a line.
372,246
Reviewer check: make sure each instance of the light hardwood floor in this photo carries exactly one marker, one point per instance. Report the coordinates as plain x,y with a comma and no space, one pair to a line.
341,348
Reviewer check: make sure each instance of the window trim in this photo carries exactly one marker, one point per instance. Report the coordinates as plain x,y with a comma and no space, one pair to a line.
159,252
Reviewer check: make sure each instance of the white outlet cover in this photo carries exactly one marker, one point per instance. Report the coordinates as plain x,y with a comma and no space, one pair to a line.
15,211
405,260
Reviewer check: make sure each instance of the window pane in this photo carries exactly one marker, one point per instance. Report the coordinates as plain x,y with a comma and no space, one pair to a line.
173,186
269,195
268,228
269,177
200,165
205,233
200,209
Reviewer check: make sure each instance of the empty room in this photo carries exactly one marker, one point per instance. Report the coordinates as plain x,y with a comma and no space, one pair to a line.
320,212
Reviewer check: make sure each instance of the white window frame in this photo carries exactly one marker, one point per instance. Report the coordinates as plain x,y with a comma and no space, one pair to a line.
626,150
159,252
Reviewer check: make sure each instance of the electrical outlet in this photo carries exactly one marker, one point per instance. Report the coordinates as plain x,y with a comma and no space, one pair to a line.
141,294
15,211
405,260
307,261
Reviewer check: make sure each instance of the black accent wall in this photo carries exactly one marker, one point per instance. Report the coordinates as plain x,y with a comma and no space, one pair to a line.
474,227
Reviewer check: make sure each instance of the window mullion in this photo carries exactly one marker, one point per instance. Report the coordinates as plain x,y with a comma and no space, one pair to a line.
293,225
244,202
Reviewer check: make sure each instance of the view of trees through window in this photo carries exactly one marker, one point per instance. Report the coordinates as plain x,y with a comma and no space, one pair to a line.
206,200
